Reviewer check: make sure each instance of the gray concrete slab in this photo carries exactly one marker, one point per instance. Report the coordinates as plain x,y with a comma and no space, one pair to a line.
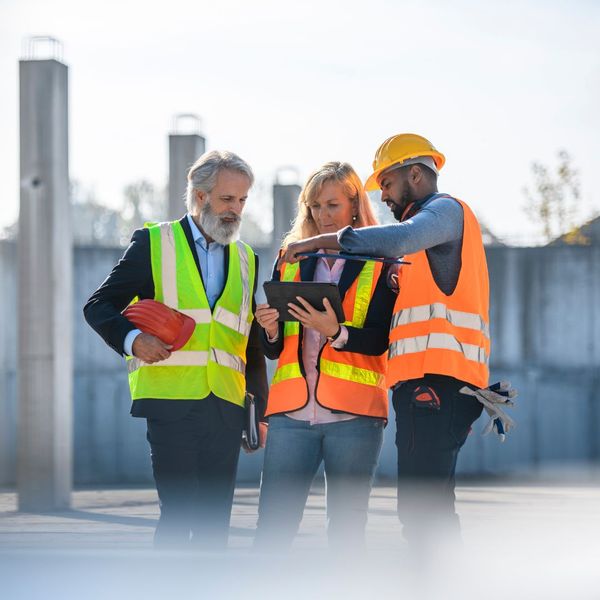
522,540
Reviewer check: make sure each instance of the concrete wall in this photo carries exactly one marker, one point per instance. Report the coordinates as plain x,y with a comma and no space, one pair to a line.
545,324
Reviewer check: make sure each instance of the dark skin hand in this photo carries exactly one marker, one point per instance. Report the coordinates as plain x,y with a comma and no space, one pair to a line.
150,349
327,241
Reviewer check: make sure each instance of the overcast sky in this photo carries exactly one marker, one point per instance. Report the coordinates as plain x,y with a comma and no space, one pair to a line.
494,85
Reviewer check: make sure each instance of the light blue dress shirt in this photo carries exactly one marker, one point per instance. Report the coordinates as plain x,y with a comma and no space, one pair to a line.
211,258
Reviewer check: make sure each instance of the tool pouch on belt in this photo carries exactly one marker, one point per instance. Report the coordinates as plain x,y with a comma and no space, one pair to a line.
424,396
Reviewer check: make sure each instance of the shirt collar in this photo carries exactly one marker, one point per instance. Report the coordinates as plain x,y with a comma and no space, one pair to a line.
324,259
422,201
197,234
417,205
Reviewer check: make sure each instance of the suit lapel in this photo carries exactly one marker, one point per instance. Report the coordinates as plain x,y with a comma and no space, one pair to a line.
350,272
307,269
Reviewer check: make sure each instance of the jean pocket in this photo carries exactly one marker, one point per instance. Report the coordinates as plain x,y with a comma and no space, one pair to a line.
465,411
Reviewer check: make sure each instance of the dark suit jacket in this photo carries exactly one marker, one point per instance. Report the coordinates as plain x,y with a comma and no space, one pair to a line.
132,276
372,339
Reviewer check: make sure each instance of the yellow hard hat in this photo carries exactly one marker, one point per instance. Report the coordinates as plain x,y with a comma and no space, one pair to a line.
396,150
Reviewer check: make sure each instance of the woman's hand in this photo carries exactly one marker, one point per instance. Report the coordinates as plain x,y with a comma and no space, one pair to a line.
267,318
325,322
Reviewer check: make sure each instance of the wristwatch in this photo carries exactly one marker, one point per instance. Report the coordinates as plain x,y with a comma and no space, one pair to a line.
336,335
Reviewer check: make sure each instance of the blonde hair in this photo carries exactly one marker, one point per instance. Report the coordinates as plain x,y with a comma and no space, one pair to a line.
304,225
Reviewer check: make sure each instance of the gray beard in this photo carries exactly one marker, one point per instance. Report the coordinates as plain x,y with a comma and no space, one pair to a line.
213,225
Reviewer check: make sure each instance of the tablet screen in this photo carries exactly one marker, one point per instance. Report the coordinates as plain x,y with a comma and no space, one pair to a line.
279,293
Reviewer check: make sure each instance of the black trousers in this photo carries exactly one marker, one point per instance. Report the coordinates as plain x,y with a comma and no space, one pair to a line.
428,441
194,461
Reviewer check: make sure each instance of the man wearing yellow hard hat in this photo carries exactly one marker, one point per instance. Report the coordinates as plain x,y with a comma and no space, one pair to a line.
439,336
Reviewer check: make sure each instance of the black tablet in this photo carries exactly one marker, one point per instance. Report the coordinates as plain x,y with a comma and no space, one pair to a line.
279,293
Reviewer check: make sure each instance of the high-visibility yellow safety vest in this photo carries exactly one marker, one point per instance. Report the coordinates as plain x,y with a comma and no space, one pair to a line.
348,381
214,358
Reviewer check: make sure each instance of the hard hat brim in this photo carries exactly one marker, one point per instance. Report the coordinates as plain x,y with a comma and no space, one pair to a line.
371,185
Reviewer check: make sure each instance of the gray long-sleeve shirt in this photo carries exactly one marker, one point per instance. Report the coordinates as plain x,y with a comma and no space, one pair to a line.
436,228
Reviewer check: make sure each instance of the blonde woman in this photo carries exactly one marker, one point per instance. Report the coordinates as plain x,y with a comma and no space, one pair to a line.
328,401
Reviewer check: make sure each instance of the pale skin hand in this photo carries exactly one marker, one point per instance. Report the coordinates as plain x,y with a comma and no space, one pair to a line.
327,241
325,322
150,349
267,318
263,429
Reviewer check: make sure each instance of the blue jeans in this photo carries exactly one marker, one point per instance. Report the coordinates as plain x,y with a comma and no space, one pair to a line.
294,451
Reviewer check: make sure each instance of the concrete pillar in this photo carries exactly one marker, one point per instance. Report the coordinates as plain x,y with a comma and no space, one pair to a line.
185,146
285,205
45,364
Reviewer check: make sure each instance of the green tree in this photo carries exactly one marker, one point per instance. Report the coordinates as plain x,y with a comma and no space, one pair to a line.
554,201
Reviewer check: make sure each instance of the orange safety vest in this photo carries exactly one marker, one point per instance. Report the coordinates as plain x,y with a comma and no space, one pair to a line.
348,381
438,334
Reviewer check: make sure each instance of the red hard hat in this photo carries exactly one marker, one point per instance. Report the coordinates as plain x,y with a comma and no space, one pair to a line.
167,324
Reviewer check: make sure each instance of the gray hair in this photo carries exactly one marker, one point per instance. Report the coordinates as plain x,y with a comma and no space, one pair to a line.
203,173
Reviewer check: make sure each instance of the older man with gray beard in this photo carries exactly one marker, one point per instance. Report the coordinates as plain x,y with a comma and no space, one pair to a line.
192,398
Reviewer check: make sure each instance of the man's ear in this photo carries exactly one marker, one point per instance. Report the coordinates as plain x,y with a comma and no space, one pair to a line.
416,174
201,197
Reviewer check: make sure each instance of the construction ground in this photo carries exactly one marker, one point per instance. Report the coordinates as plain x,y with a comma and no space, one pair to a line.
522,539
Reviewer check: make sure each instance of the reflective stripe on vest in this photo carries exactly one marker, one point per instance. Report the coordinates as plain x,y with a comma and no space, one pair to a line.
200,315
440,341
288,366
285,372
229,360
345,383
191,358
233,321
363,295
439,310
214,359
351,373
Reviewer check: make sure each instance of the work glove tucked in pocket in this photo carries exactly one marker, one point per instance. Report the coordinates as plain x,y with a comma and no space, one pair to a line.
497,395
